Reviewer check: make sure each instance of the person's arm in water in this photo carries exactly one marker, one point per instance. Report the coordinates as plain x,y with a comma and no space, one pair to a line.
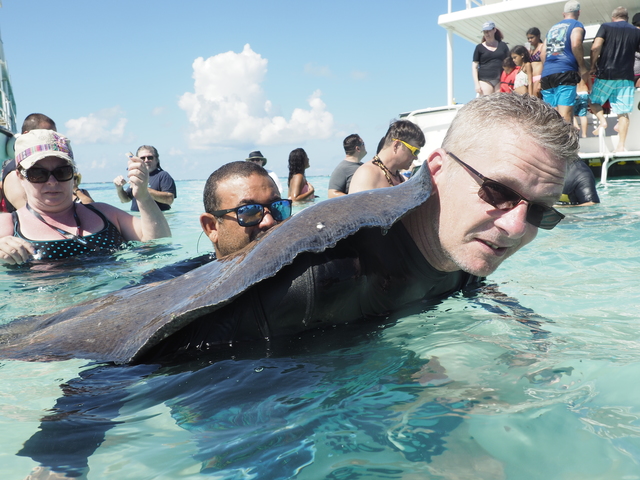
295,188
13,250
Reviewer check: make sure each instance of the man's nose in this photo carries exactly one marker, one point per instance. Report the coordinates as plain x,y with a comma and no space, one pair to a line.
514,221
267,221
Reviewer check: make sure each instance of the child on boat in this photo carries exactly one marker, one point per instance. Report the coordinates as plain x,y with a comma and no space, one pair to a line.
524,79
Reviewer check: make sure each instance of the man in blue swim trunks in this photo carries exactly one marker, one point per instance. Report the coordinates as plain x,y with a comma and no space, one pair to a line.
612,57
563,61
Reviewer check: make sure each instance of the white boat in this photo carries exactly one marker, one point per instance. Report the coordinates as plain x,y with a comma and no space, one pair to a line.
514,18
8,126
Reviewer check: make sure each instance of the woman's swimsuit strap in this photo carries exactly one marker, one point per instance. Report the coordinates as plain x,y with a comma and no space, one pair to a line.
108,239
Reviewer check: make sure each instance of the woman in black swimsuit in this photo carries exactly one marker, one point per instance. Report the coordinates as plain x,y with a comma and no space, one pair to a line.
51,225
487,60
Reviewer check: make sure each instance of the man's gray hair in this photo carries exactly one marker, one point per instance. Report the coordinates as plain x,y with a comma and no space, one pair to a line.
620,12
502,111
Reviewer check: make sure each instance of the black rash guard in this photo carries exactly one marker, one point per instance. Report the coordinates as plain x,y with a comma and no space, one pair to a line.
369,274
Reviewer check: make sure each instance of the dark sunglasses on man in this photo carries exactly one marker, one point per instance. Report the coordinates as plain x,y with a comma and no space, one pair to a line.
252,214
41,175
504,198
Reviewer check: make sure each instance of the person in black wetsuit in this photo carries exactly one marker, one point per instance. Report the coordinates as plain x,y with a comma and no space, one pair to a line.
579,186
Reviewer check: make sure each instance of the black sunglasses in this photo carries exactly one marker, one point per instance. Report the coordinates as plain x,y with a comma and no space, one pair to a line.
41,175
504,198
252,214
150,157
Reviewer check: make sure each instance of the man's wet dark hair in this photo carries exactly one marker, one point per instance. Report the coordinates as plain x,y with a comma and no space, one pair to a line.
233,169
37,121
406,131
351,142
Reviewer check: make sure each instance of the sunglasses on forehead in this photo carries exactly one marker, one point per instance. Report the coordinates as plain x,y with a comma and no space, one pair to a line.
252,214
41,175
504,198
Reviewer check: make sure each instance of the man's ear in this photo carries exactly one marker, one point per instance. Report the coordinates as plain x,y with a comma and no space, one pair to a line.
209,225
436,161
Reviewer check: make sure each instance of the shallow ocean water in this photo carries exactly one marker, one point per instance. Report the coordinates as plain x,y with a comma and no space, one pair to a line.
536,375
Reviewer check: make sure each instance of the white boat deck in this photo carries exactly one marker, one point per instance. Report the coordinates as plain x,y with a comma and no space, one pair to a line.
514,18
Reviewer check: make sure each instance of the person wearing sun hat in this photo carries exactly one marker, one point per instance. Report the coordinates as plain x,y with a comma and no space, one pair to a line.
51,225
257,158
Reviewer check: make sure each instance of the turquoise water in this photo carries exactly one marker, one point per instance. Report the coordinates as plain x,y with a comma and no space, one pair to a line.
534,376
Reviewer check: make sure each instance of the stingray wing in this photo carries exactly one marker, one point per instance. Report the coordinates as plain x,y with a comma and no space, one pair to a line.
121,326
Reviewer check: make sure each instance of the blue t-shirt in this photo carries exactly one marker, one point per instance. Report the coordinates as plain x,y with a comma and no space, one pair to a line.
158,180
560,58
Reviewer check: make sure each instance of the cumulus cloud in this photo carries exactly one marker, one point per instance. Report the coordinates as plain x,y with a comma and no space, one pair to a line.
317,70
229,107
104,126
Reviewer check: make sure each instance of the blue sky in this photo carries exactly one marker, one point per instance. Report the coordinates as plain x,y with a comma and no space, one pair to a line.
206,82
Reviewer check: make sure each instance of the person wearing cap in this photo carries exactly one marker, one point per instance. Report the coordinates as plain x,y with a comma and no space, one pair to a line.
13,196
612,56
51,225
257,158
162,188
341,177
487,60
563,62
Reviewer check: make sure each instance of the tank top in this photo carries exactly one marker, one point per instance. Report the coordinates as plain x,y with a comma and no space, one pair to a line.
108,239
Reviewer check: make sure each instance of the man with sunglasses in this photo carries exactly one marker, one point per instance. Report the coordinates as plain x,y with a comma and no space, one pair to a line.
402,144
241,201
162,188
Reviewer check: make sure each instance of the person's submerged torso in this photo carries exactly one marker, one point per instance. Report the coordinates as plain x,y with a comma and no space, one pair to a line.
107,239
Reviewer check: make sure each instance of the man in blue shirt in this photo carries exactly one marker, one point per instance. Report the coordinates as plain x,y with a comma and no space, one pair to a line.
563,61
612,56
161,186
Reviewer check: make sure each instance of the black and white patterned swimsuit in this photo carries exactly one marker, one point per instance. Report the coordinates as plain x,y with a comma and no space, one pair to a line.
108,239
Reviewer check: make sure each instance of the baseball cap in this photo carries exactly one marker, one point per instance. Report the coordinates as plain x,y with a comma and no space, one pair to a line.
38,144
572,6
488,26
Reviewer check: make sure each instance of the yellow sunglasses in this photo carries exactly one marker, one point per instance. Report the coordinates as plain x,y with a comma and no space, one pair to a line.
414,150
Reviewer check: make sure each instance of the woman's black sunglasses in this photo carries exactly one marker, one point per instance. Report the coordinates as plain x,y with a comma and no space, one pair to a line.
252,214
41,175
504,198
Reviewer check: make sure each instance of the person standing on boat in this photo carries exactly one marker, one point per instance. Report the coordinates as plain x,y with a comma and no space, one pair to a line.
612,56
535,53
340,180
402,144
487,60
257,158
563,62
162,188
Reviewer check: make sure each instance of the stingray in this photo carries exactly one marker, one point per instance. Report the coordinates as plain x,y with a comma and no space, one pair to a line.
122,326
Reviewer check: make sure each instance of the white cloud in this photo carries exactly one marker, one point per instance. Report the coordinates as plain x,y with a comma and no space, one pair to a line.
358,75
104,126
157,111
317,70
175,151
228,106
